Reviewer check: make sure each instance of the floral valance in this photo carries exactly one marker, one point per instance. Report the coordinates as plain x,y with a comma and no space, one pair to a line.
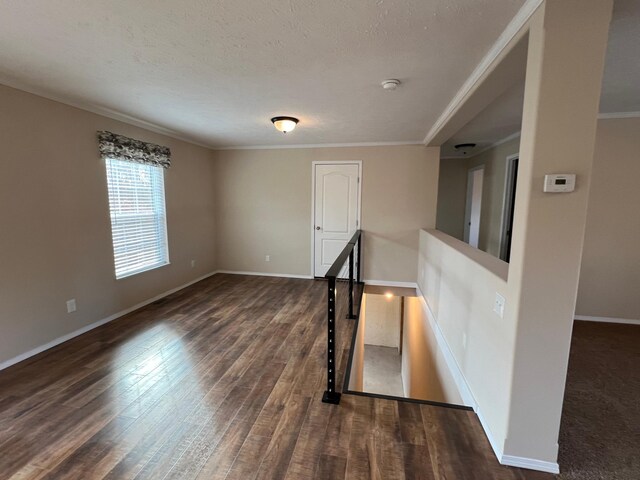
119,147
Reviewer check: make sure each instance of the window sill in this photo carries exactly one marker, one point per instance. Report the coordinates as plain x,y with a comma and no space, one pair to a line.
146,269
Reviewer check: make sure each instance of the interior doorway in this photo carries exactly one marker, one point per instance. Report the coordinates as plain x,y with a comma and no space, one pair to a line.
511,179
336,210
475,179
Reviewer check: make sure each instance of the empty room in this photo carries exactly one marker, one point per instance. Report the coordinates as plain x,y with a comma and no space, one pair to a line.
271,239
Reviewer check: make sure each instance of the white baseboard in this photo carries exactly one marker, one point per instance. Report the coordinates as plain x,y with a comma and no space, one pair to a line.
263,274
380,283
385,283
458,377
628,321
456,372
85,329
530,463
469,399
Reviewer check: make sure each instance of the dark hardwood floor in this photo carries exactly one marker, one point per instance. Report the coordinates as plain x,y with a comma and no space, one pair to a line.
223,380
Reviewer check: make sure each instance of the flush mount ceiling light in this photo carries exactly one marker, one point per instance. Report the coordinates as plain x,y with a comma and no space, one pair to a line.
464,148
390,84
284,124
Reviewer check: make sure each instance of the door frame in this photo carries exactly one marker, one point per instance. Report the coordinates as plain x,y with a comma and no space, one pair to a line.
508,204
313,202
466,233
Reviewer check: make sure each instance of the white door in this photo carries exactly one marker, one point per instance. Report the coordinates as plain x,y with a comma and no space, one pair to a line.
337,211
474,206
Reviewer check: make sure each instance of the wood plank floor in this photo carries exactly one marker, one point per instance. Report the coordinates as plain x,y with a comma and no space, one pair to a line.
223,380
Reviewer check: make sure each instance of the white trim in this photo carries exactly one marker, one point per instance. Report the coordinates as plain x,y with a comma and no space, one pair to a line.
628,321
265,274
468,399
105,112
85,329
456,372
502,141
471,183
505,38
385,283
606,116
403,375
530,463
508,186
320,145
313,202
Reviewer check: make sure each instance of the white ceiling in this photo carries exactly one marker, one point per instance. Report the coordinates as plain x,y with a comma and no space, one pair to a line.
217,71
620,87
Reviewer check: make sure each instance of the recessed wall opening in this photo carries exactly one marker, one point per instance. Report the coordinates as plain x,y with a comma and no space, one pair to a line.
395,352
478,182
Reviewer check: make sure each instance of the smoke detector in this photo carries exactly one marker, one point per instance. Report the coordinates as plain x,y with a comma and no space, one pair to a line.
390,84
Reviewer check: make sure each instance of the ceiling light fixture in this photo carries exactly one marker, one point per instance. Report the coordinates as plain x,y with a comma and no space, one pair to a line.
464,148
390,84
284,124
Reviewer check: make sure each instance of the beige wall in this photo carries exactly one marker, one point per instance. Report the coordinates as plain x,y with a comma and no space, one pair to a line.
453,191
610,267
558,135
356,376
459,284
383,321
610,273
264,207
516,366
452,196
55,240
425,373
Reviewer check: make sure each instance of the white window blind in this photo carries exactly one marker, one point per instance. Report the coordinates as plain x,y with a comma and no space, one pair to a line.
138,216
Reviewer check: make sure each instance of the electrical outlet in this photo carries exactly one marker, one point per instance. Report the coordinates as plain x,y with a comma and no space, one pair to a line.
267,258
193,263
498,305
71,305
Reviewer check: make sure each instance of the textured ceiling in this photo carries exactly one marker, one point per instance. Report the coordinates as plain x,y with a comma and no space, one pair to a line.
217,71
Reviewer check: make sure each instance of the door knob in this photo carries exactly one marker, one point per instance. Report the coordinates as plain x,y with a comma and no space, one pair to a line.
317,228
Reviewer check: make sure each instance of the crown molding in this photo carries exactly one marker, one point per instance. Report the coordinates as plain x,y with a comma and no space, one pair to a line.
502,141
153,127
610,115
320,145
506,139
104,112
505,38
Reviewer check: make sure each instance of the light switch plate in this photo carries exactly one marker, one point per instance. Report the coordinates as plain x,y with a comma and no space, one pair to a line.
498,305
71,305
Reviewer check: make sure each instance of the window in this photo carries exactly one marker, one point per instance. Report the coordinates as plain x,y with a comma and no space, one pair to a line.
138,216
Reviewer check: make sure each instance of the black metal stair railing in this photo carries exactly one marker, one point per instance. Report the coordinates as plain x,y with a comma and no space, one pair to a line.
353,247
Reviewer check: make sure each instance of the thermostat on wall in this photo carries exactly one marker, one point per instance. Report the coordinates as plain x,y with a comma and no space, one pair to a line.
559,182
